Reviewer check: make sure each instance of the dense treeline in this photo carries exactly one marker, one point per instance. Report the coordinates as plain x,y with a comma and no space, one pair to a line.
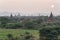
14,23
50,33
25,22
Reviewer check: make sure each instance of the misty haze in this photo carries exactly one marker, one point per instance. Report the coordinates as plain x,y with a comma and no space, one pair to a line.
29,7
29,19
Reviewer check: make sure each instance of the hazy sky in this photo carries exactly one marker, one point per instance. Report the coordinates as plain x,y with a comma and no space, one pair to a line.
29,7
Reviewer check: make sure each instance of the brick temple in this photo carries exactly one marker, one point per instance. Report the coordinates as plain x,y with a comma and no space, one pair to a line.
51,19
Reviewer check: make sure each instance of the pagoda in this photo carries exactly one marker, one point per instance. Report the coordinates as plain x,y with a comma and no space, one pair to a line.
51,19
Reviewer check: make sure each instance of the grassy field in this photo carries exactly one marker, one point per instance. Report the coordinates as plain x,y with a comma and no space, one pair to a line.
15,32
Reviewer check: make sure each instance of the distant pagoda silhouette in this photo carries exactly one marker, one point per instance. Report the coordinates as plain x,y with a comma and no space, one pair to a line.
51,15
11,15
51,19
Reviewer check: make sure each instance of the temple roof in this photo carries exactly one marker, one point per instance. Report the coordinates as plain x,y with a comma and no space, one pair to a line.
51,18
51,15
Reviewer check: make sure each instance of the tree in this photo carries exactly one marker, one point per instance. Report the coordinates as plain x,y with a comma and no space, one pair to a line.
10,37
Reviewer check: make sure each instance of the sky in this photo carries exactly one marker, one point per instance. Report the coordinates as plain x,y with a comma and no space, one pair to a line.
29,7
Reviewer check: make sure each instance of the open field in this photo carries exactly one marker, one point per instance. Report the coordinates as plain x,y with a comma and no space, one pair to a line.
16,32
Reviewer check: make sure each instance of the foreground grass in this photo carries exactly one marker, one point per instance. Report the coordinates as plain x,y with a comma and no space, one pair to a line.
15,32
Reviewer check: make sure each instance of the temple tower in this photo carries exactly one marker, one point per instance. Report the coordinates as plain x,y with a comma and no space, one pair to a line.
51,18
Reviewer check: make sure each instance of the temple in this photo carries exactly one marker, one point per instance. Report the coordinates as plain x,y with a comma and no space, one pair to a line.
51,19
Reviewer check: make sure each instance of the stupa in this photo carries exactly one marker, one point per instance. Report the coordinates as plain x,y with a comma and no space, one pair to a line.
51,19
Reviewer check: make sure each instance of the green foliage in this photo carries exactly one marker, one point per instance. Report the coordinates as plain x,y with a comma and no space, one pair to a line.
49,34
26,23
13,25
16,33
26,36
10,37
